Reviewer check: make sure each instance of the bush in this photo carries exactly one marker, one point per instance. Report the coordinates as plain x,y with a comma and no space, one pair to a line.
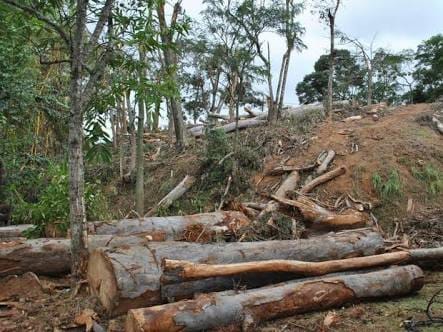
52,207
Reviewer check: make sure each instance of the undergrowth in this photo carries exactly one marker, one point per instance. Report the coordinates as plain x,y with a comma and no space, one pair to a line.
52,207
431,176
388,187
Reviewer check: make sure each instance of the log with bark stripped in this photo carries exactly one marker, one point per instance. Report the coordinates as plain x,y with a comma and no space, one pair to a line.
180,271
229,127
323,219
129,277
176,228
325,177
247,309
173,195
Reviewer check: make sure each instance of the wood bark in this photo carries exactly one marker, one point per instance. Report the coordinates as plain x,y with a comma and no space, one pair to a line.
331,18
307,188
48,256
230,127
173,195
323,219
246,309
175,227
13,231
130,277
77,209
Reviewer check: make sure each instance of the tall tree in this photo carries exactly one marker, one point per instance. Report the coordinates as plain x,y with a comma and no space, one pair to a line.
328,13
429,70
169,38
291,30
81,48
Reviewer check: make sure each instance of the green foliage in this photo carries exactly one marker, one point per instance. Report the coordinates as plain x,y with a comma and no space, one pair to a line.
429,70
52,206
431,176
389,187
348,79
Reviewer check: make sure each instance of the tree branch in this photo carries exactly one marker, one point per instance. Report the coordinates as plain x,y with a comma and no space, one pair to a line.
31,11
103,18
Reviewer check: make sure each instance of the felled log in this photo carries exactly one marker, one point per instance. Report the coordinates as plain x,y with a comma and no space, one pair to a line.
180,271
13,231
323,219
322,179
130,277
229,127
52,257
173,195
324,163
279,170
173,228
288,184
353,118
246,309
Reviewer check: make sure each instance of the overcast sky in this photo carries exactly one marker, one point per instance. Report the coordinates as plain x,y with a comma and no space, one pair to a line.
397,24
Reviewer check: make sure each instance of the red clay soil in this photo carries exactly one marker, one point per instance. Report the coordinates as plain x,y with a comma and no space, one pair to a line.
397,141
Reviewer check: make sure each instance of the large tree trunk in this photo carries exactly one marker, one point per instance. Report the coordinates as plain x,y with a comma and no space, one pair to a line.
246,309
205,225
132,137
77,209
130,276
52,256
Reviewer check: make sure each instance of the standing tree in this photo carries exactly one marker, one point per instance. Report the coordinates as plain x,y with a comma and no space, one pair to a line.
328,13
367,53
83,49
169,37
291,30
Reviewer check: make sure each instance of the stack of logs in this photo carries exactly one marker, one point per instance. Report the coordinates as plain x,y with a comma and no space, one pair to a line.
170,273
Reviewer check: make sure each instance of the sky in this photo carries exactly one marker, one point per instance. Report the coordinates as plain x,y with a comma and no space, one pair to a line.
396,25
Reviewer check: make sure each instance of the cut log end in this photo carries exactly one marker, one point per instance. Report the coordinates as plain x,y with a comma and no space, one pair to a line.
102,279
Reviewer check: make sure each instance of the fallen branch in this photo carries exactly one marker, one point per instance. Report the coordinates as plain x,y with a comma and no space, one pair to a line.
173,195
247,309
279,170
322,179
229,127
324,163
14,231
288,184
323,219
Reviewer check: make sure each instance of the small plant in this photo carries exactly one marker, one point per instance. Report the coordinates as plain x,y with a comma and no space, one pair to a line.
52,206
388,188
431,176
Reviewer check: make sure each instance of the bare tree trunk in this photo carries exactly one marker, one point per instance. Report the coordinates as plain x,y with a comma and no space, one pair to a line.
77,209
272,112
370,73
170,60
331,64
156,117
132,135
139,184
283,81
